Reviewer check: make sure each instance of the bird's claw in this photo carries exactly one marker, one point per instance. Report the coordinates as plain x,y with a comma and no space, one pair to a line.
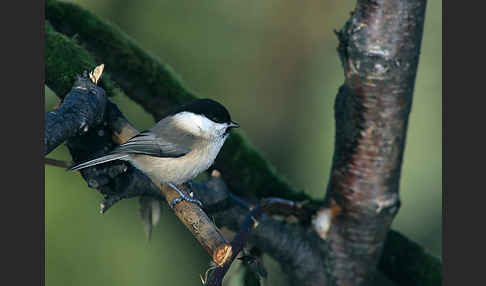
182,197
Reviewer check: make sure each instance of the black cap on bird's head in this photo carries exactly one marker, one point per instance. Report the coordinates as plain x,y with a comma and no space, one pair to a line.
208,108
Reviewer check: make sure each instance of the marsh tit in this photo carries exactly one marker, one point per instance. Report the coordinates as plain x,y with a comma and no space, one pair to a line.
179,147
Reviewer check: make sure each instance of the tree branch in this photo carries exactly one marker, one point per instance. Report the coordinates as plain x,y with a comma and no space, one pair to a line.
57,163
379,48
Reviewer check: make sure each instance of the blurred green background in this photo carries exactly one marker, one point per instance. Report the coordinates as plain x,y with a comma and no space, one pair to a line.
274,65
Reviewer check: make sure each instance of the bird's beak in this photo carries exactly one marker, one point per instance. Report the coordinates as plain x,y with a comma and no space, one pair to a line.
233,125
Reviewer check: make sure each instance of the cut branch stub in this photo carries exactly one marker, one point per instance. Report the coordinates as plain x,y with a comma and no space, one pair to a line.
200,225
379,48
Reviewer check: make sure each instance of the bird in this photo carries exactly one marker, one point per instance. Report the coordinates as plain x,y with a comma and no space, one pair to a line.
184,143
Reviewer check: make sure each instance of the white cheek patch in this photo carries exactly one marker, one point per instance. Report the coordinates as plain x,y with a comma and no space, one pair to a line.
188,121
199,125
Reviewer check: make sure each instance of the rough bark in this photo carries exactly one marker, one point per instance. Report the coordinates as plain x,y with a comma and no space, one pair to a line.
379,47
81,109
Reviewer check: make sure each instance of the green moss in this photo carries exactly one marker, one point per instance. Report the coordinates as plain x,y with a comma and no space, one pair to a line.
64,59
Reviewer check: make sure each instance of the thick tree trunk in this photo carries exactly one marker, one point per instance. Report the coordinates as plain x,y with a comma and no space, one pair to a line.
379,48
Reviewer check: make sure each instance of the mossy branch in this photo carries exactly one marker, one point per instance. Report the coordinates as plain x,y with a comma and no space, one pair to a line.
64,60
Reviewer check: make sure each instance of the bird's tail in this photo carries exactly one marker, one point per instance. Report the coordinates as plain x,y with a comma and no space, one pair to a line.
100,160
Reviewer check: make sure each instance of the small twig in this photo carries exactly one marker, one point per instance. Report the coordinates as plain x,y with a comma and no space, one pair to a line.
238,243
241,239
301,210
57,163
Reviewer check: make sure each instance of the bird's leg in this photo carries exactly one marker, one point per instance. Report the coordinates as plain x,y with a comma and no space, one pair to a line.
190,184
183,197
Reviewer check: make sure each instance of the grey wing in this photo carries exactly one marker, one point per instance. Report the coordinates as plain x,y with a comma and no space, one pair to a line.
149,143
